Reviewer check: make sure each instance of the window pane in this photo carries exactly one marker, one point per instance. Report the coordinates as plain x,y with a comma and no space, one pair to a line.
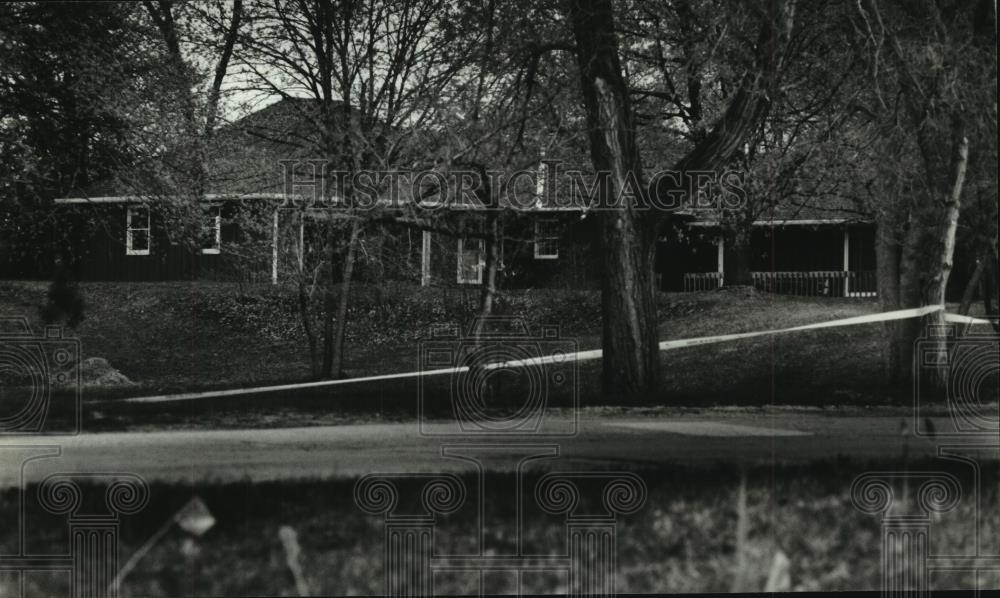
548,228
547,247
547,234
470,260
140,239
139,217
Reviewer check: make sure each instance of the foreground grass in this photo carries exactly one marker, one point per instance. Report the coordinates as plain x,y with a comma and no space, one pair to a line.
683,540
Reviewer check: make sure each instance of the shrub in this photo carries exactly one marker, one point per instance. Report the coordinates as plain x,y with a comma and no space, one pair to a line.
399,314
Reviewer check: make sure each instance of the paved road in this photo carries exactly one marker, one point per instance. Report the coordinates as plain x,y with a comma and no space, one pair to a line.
351,450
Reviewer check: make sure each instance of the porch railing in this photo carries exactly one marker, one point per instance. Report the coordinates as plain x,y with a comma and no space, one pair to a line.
809,284
702,281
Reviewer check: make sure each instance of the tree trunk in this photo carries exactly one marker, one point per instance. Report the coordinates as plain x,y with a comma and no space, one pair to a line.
989,282
738,236
329,299
337,367
971,287
628,235
631,366
314,357
887,256
491,266
628,240
738,272
942,264
915,272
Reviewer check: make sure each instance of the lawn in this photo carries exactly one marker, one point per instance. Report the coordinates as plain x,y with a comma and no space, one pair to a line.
178,337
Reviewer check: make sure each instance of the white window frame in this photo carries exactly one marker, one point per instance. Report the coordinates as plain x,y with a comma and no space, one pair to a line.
215,213
538,237
131,212
480,266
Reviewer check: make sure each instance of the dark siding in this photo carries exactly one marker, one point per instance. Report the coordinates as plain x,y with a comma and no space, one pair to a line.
574,268
100,252
797,249
688,249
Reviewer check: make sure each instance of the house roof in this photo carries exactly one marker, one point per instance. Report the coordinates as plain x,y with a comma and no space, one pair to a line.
799,211
248,159
245,159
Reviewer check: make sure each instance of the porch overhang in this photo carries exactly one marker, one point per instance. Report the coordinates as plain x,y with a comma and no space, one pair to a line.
775,223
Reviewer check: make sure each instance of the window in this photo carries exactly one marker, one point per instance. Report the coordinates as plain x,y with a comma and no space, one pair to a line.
547,239
137,240
470,261
212,240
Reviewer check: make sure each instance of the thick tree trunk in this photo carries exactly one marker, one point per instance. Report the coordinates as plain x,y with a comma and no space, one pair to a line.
942,263
912,262
914,272
631,365
628,231
887,256
628,237
738,237
738,270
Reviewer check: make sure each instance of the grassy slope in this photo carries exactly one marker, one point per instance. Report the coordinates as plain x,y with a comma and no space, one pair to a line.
155,334
163,337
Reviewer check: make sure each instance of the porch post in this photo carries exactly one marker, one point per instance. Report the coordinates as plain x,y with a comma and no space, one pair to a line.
274,249
302,239
847,262
540,179
425,259
721,260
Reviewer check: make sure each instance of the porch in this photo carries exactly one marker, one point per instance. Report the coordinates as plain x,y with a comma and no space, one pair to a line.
817,258
806,284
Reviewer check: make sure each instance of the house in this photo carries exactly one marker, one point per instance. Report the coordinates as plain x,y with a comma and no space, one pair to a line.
830,256
134,231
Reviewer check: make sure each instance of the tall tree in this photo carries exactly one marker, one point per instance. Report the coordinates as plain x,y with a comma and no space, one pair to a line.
933,72
74,83
629,228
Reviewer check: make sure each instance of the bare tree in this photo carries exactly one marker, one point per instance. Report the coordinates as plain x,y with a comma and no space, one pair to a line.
375,74
933,74
190,35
